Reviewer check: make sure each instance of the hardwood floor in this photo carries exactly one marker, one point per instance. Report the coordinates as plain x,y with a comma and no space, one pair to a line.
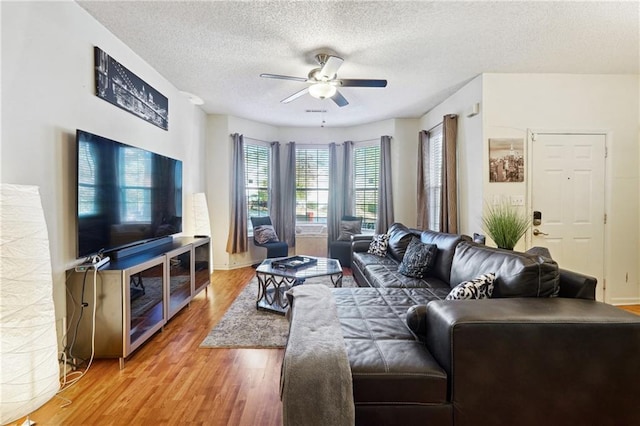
631,308
170,380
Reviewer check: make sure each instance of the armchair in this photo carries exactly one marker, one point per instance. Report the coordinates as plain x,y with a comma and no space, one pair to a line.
341,248
265,236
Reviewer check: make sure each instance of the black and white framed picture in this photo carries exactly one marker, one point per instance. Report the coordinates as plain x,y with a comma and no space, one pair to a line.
119,86
506,160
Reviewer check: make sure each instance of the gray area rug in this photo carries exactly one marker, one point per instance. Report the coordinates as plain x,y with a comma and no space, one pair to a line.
243,326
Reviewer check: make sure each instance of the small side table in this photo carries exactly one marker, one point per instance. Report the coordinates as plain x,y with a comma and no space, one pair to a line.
273,282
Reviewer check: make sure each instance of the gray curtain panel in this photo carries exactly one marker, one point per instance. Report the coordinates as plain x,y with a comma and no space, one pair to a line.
237,239
385,193
275,189
449,211
422,216
335,198
289,197
347,178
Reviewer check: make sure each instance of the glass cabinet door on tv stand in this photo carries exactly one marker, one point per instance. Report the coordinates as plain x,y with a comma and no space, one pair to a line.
130,307
144,289
202,264
180,273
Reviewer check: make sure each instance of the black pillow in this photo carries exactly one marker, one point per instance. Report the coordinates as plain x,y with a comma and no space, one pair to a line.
349,228
418,259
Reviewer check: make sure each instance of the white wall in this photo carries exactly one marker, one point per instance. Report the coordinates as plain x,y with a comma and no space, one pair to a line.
48,92
470,151
513,103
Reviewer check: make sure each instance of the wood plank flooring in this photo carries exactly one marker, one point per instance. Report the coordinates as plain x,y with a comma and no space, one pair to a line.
170,380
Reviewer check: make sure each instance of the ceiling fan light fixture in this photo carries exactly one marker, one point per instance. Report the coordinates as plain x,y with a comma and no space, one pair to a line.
322,90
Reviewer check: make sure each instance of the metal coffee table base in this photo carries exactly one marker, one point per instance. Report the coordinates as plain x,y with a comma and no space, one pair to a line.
271,292
273,283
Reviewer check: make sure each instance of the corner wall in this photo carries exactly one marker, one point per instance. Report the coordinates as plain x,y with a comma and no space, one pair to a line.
48,92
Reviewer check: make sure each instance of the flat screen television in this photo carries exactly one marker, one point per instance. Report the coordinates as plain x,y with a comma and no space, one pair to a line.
125,195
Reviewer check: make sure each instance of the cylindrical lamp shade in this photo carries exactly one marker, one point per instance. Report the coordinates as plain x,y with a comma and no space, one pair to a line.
201,215
28,346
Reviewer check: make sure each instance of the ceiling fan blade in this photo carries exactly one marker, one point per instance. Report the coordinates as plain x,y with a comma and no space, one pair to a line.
339,99
295,95
330,67
284,77
346,82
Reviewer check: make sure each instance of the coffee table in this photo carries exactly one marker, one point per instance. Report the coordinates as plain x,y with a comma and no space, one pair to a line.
273,282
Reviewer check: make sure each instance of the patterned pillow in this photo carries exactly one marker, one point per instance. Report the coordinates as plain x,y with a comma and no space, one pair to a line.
379,245
349,228
265,234
480,287
418,259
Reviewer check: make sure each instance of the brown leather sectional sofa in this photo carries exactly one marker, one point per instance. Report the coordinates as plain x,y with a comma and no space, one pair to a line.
541,351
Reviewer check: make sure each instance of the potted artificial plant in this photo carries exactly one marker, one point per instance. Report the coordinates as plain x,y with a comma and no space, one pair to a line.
505,224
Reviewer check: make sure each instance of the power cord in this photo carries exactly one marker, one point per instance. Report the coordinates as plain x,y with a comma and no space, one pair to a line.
67,352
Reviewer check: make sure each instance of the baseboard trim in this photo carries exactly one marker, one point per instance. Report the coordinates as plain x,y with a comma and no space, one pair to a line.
625,301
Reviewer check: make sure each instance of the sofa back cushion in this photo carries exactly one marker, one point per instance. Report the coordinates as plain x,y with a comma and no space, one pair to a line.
517,274
399,238
446,244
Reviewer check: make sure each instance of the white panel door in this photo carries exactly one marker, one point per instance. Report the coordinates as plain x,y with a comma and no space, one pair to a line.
567,188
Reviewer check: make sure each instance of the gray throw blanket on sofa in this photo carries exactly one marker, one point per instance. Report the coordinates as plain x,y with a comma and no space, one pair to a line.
315,382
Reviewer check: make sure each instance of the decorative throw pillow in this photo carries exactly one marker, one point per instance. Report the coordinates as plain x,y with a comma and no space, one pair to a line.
418,259
265,234
349,228
379,245
480,287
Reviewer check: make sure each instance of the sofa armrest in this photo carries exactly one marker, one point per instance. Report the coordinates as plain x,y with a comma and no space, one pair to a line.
536,361
360,242
577,285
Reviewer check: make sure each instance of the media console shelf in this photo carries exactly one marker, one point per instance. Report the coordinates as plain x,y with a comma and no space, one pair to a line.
136,296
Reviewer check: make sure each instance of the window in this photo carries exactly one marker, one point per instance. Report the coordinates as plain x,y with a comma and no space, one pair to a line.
366,176
434,186
312,184
135,185
256,169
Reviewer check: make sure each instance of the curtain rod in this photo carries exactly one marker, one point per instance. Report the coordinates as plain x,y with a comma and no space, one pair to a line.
253,139
366,140
439,124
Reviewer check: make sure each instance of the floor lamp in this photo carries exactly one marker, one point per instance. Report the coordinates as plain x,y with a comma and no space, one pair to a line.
29,376
201,224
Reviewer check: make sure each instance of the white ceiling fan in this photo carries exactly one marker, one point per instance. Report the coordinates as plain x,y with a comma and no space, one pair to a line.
324,82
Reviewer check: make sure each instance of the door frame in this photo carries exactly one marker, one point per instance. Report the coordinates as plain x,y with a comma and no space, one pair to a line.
607,190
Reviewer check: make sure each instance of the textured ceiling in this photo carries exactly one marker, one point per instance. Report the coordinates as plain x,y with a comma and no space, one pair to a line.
425,49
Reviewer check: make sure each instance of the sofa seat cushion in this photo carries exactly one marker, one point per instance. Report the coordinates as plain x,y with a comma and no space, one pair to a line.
388,276
363,259
395,372
388,364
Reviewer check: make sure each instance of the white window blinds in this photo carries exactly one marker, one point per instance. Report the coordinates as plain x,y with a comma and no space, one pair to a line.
312,184
434,183
366,176
256,168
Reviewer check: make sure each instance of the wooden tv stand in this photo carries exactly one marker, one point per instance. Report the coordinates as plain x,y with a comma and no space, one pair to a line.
135,297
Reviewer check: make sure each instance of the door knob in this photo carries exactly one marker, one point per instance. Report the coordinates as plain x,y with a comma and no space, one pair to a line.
537,232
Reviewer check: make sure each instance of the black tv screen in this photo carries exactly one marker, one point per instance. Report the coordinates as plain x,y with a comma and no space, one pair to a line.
125,195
